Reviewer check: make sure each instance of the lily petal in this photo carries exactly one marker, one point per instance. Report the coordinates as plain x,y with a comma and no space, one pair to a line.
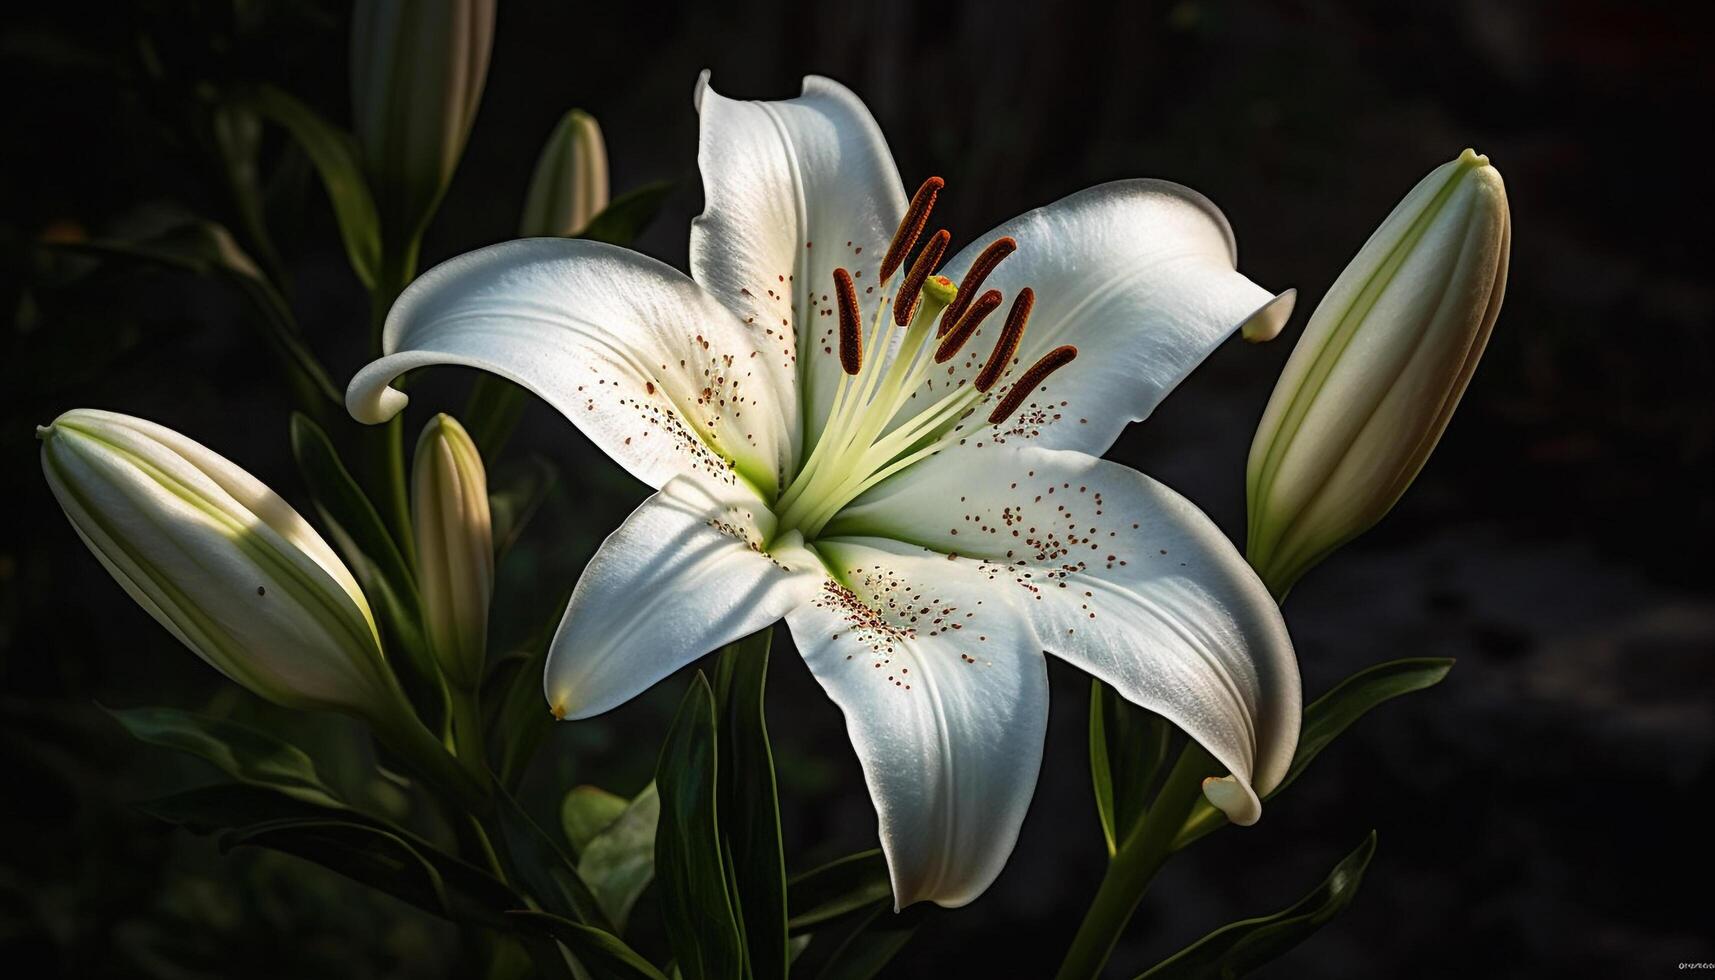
654,370
1139,276
1124,578
683,575
793,189
945,695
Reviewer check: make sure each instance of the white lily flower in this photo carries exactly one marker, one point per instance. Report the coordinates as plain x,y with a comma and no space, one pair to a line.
919,495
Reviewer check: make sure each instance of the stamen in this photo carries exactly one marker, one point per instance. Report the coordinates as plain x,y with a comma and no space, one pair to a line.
851,322
991,256
916,216
1007,345
905,303
1052,361
967,326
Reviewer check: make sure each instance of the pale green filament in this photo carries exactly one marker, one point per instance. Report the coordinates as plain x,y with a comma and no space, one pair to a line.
855,451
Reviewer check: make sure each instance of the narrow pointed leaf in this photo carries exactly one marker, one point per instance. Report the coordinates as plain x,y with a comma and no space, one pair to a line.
837,889
1236,949
1352,698
492,412
513,698
206,248
364,541
357,845
865,949
619,862
1327,717
334,155
246,754
602,954
1128,748
695,905
515,494
544,869
750,805
627,215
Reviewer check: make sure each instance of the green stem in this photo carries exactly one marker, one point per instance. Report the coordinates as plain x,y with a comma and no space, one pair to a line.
407,737
467,733
1134,865
388,453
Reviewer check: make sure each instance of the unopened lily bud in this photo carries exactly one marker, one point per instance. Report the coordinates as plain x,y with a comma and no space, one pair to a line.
417,72
221,561
569,186
1380,368
455,547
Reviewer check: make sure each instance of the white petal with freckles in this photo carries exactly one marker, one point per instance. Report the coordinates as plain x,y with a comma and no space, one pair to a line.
655,371
945,695
1124,578
1139,276
794,189
683,575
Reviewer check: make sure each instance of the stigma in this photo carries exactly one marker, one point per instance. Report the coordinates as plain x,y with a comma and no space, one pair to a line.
878,425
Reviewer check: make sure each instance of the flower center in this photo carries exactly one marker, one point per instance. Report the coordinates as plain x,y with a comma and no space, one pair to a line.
869,436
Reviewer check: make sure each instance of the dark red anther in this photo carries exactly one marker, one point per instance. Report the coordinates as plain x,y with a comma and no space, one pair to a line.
905,302
985,262
1007,345
967,326
851,322
910,226
1052,361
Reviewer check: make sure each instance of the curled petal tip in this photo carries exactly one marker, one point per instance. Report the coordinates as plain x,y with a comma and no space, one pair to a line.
1270,319
558,710
373,401
1233,798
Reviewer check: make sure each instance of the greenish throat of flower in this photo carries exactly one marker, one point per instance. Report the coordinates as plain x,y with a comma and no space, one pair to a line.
874,429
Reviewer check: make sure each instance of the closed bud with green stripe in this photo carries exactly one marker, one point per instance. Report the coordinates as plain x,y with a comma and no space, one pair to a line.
455,547
1381,366
222,562
569,185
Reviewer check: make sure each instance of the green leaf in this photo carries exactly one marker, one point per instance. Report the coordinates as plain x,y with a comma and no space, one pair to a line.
1326,718
587,811
334,154
695,905
837,889
619,861
626,216
493,411
864,950
1236,949
205,248
363,539
515,494
361,847
750,805
1128,750
246,754
544,869
386,860
603,955
1352,698
513,698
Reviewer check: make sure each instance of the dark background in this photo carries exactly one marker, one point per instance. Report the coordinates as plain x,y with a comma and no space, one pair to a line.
1541,813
